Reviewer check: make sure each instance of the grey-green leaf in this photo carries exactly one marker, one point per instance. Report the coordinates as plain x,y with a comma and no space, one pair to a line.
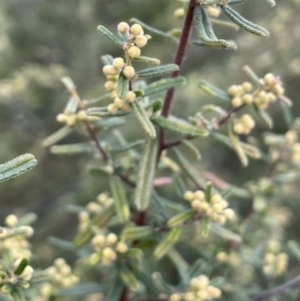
16,167
158,71
123,83
146,175
179,126
213,90
164,85
146,59
110,35
70,149
57,136
140,113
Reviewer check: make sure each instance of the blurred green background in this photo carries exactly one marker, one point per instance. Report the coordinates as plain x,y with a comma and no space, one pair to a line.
43,40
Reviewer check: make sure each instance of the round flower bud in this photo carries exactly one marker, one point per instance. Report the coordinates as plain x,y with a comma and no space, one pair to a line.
237,101
274,246
110,70
59,262
199,195
11,220
123,28
94,207
203,282
46,290
272,97
189,196
109,253
222,257
179,13
130,97
65,270
202,294
112,108
134,51
278,89
109,86
219,219
125,107
61,117
214,292
247,98
98,241
196,204
233,90
136,30
216,198
269,258
129,72
239,128
269,78
175,297
140,41
248,121
82,115
113,94
189,296
217,207
229,213
118,63
213,11
121,247
111,238
71,120
118,102
247,86
204,206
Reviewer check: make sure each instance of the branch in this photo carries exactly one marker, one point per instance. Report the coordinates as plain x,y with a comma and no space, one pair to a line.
179,61
279,290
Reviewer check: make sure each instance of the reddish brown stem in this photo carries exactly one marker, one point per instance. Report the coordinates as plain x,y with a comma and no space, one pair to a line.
179,61
124,295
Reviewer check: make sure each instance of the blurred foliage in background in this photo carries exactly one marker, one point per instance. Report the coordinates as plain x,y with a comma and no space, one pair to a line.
41,41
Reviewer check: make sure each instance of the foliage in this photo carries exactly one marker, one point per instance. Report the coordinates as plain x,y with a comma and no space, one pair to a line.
161,207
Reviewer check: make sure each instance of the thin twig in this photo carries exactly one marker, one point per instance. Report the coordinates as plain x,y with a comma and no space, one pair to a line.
279,290
179,61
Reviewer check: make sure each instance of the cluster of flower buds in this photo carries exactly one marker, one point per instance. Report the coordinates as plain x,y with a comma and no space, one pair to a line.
231,258
199,290
243,125
135,41
13,238
60,276
275,263
216,208
241,94
107,248
92,209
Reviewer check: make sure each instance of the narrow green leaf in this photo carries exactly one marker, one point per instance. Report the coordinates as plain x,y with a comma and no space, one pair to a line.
179,185
115,290
181,265
21,267
190,169
167,243
198,268
287,114
16,167
179,126
110,35
127,146
128,278
154,30
81,289
120,200
294,248
17,294
244,23
88,102
214,91
236,1
235,141
205,31
57,136
225,233
146,59
208,191
107,59
146,175
140,113
181,218
138,232
61,244
164,85
158,71
71,149
123,83
71,106
161,284
190,146
157,105
102,112
27,219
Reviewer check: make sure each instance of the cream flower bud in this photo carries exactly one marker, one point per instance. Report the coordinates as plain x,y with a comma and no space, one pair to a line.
130,97
278,89
111,238
136,30
222,257
112,108
175,297
269,78
203,281
247,98
196,204
82,115
109,253
248,121
214,292
118,102
213,11
59,262
217,207
71,120
199,195
11,220
46,290
109,86
188,296
233,90
247,86
237,101
118,63
229,213
98,241
179,13
129,72
140,41
125,107
220,219
121,247
134,51
269,258
238,128
216,198
204,206
61,117
189,196
110,70
123,27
